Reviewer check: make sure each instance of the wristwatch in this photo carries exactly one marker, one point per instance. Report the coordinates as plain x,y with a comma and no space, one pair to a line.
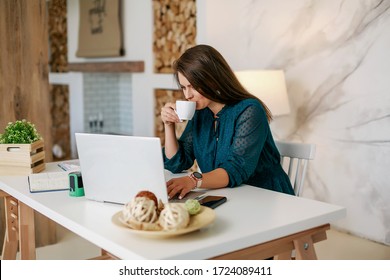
197,177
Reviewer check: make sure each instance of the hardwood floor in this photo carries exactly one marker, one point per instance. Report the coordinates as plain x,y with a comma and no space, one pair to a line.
343,246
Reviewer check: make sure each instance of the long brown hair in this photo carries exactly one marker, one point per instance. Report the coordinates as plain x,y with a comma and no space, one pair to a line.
209,73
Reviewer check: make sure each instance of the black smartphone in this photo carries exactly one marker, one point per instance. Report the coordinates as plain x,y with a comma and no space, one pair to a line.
212,201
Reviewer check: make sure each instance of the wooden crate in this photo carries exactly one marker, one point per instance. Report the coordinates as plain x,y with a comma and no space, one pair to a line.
22,159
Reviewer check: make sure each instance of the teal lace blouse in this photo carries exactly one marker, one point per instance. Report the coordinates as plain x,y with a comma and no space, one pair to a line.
239,140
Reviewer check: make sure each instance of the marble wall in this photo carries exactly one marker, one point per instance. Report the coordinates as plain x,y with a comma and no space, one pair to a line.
336,57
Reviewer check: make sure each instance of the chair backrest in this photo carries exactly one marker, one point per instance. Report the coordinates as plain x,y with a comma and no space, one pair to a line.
294,159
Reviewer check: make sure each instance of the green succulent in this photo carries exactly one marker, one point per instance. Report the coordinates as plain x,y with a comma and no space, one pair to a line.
19,132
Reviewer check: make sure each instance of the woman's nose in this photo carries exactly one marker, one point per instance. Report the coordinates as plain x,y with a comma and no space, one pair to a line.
188,94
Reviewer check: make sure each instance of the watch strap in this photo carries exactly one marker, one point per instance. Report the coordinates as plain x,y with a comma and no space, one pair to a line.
198,181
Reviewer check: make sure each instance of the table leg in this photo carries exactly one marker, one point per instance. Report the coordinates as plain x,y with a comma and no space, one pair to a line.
302,243
105,256
283,256
19,230
26,232
10,246
304,248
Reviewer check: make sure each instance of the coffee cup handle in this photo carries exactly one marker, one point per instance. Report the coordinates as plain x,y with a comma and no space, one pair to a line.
178,115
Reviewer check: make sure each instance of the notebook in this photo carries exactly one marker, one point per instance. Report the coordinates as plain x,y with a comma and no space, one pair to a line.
115,168
53,178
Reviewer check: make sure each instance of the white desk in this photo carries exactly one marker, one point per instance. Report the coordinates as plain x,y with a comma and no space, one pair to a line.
271,222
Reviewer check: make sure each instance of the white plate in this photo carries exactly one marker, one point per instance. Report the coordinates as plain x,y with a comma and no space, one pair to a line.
205,217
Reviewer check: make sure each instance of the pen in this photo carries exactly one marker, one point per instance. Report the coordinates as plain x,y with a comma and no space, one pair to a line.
62,167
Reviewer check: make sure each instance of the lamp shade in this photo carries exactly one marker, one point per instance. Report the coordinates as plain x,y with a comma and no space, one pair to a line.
269,86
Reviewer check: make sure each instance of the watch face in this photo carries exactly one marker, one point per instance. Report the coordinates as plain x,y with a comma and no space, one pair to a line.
197,175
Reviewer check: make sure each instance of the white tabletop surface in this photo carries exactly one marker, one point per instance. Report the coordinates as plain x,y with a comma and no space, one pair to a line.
250,216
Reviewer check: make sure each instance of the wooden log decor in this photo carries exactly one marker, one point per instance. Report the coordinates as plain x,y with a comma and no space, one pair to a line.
59,108
174,31
58,62
58,36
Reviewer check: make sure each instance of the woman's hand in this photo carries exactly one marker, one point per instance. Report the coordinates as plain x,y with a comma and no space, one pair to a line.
168,114
180,186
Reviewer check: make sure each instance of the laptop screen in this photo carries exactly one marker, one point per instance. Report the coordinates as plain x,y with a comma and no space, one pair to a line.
115,168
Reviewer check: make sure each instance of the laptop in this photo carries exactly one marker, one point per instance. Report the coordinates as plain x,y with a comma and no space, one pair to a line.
115,168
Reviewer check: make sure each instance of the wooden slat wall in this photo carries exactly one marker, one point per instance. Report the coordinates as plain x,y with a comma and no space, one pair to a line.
24,86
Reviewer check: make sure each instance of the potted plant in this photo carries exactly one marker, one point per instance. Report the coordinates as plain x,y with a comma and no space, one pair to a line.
21,149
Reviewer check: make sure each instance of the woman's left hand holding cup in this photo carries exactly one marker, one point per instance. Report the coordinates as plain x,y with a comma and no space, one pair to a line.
168,114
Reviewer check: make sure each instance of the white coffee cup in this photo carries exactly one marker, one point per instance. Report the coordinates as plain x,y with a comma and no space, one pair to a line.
185,109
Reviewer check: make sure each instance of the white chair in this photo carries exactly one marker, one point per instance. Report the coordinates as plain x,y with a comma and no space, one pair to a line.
294,160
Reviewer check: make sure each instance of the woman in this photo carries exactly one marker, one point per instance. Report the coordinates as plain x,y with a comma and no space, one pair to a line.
229,135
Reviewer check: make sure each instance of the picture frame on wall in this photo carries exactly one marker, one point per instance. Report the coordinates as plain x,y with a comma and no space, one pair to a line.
100,29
